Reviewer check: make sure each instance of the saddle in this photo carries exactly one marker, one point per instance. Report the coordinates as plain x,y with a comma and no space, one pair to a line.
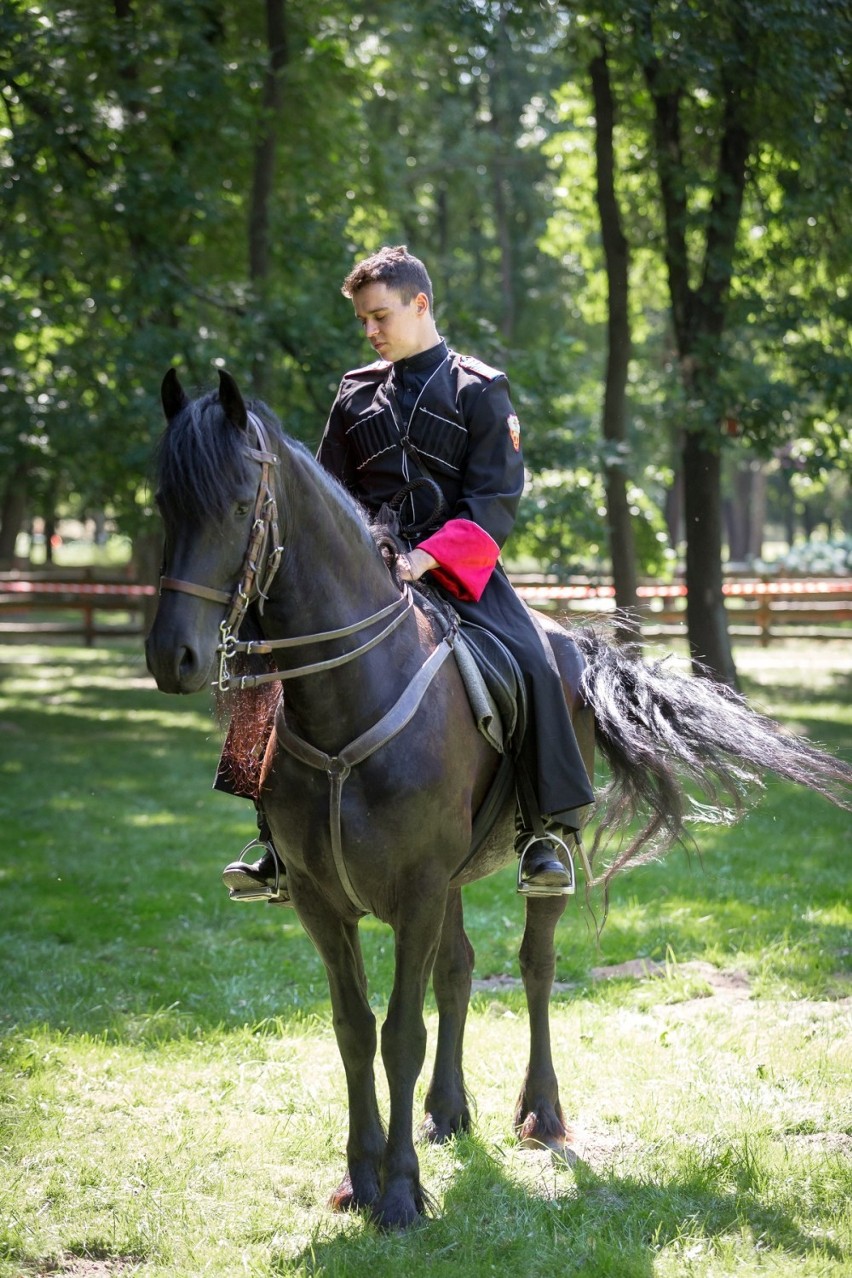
494,685
492,678
497,695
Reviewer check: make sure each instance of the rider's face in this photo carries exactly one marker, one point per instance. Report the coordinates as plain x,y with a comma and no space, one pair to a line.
394,328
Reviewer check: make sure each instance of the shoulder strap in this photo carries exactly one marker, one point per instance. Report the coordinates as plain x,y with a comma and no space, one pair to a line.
369,371
473,365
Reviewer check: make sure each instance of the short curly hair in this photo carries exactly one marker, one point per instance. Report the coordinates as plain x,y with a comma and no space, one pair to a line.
395,267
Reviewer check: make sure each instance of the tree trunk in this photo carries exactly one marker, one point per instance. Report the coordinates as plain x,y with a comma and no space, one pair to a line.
12,514
502,122
49,534
504,239
614,419
746,512
673,511
263,174
698,320
736,508
757,511
706,619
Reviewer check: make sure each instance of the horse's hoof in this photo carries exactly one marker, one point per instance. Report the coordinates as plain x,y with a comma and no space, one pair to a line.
346,1198
396,1217
437,1131
547,1131
399,1209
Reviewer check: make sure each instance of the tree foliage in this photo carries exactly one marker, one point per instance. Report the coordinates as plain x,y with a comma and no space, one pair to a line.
188,184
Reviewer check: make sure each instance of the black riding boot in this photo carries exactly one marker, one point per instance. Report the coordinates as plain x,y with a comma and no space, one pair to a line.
262,880
545,863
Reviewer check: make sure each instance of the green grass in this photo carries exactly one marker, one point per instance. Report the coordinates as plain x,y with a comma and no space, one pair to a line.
114,552
171,1100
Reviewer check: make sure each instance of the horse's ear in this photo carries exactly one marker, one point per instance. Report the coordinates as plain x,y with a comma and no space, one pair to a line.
173,395
231,400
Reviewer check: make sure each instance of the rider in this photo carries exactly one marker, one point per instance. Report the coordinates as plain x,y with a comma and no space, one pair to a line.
421,410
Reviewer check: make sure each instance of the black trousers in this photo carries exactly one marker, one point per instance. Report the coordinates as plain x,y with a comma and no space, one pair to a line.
549,753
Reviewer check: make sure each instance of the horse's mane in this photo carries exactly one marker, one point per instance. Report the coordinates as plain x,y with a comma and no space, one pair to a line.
200,453
198,458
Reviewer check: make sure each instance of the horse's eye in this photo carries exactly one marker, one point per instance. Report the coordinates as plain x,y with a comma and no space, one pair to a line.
242,509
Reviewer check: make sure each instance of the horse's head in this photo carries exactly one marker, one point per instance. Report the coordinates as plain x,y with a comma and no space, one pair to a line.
214,497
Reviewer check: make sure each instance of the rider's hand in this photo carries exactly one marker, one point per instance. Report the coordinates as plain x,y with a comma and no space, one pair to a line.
413,565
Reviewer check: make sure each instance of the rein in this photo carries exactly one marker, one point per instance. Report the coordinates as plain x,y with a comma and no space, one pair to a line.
255,583
230,646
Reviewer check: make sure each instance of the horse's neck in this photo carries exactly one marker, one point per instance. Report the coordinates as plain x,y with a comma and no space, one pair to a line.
331,577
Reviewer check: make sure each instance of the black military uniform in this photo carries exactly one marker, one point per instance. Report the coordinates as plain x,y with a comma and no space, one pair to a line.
450,417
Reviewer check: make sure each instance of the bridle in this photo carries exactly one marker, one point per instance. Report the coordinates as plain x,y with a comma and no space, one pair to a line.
264,532
260,564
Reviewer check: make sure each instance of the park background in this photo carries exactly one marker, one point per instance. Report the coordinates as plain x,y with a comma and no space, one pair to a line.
639,211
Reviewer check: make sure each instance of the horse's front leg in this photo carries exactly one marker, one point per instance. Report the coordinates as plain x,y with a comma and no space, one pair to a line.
447,1110
417,935
538,1117
339,947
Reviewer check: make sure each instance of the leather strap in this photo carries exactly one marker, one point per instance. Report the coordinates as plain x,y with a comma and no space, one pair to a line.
190,588
331,663
339,766
298,641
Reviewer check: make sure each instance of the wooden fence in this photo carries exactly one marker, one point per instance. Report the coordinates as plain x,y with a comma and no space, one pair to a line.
758,608
816,608
25,598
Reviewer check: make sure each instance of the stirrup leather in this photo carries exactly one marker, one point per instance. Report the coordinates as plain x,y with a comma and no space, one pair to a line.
262,891
565,856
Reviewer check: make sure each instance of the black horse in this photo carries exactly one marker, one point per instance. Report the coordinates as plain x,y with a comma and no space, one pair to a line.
376,770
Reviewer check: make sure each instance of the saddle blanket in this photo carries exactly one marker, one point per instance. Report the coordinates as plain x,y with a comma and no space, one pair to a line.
494,686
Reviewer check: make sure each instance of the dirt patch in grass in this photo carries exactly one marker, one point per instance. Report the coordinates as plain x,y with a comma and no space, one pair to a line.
85,1267
725,983
839,1143
496,984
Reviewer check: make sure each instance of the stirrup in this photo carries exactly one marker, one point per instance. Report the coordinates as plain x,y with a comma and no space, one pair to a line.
262,891
525,888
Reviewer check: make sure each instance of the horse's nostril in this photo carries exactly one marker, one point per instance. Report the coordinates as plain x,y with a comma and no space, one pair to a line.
187,663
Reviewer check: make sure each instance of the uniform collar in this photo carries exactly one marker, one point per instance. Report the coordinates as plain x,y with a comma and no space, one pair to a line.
423,361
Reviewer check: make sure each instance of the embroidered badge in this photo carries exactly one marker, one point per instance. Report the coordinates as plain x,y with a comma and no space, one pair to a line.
514,431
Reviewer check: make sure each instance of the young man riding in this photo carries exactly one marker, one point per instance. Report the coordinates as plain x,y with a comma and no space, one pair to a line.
423,412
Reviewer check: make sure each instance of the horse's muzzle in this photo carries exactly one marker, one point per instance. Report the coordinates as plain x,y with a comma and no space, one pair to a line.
177,666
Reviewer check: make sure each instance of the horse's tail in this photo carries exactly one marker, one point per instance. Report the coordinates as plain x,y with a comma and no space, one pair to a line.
662,732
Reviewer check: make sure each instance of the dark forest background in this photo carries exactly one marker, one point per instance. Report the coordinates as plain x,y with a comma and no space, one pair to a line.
640,210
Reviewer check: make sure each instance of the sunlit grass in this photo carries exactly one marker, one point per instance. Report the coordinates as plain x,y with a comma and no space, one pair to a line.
171,1099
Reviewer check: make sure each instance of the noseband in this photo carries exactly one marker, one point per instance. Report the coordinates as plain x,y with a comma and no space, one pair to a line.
260,564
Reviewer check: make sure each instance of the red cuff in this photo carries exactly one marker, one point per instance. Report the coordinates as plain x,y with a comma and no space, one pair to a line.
466,556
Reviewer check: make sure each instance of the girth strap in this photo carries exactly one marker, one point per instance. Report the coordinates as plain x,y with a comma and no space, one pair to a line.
339,766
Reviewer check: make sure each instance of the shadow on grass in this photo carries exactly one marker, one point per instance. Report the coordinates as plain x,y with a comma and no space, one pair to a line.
126,930
586,1223
115,920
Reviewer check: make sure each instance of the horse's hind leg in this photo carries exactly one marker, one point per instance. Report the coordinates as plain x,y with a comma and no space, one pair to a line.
538,1117
339,947
447,1109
